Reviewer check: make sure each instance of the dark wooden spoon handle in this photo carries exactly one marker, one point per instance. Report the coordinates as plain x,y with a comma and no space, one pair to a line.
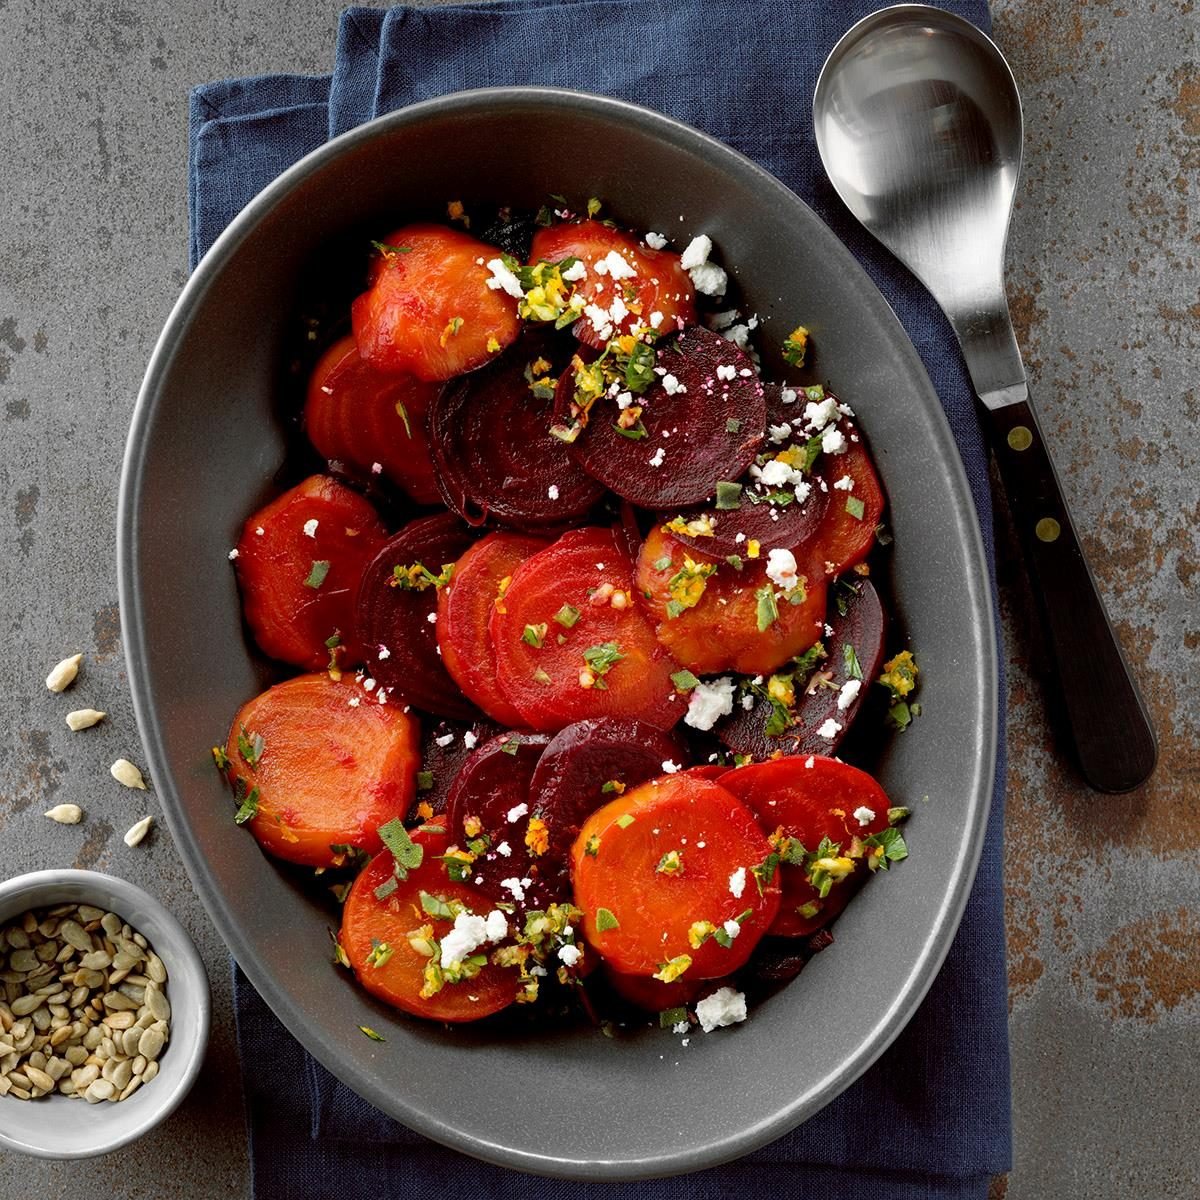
1113,735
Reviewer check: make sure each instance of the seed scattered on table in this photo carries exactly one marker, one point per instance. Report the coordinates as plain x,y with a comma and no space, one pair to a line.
124,772
65,814
83,1008
64,673
84,718
138,831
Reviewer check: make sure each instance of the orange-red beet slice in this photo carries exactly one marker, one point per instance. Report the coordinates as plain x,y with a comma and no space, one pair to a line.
564,650
299,563
374,925
496,458
374,422
464,609
704,431
639,902
721,631
847,530
811,802
658,285
397,624
429,310
327,763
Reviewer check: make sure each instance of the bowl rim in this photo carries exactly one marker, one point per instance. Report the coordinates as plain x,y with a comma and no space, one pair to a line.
977,798
29,889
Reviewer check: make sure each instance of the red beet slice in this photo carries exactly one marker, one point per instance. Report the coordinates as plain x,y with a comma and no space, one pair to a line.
861,627
584,758
445,747
496,458
491,787
707,431
464,608
792,526
394,622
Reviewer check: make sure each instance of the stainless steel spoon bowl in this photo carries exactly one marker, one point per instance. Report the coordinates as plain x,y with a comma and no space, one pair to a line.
918,123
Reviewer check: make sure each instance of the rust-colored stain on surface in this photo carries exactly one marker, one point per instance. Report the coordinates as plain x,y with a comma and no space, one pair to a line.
42,773
106,628
1145,969
94,845
1186,104
1050,36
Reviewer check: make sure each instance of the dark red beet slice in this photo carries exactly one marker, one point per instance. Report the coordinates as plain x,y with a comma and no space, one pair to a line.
445,747
496,458
861,627
707,431
774,526
401,640
568,784
491,786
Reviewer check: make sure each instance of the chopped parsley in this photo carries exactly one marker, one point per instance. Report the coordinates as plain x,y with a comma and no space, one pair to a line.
855,507
733,425
424,781
602,658
795,346
511,746
406,853
768,610
624,821
385,248
250,747
684,680
567,615
612,785
316,575
851,659
661,564
248,809
435,906
606,921
375,1037
729,495
418,577
634,432
534,634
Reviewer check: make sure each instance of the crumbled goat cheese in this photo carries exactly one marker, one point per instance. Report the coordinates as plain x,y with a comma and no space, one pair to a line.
445,739
833,441
779,433
384,652
737,883
469,933
708,702
431,618
502,277
656,319
504,850
696,252
864,815
848,694
709,279
470,740
669,767
514,887
829,730
723,1007
310,528
552,491
618,267
671,385
233,554
776,473
845,484
575,272
818,414
725,371
781,569
732,929
569,955
657,459
810,761
656,241
517,812
802,490
599,319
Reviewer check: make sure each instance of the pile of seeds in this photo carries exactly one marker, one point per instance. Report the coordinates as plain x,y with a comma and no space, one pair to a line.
84,1009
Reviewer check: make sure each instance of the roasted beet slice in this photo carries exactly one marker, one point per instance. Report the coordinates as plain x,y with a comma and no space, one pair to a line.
714,615
586,765
570,642
791,526
489,801
464,608
847,530
394,620
371,421
497,460
706,429
445,746
299,561
854,652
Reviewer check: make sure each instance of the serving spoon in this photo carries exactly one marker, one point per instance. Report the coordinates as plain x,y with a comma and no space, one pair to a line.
918,123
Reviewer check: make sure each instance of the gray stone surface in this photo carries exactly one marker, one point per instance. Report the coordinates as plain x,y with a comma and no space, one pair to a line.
1104,899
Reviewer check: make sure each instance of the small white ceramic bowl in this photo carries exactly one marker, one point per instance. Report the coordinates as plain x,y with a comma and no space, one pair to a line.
57,1126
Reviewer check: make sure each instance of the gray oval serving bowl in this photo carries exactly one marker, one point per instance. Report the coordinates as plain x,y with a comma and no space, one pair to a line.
203,451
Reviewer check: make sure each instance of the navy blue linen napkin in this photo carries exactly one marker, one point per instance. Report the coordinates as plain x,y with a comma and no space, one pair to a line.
931,1118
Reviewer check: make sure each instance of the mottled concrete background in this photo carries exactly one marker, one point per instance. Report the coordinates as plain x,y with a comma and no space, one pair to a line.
1104,899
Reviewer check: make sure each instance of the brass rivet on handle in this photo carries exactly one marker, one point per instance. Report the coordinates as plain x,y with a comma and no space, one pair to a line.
1020,437
1047,529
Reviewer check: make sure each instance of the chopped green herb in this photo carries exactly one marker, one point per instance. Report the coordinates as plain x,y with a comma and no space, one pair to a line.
332,643
898,814
780,720
661,564
542,676
733,425
511,746
891,842
670,1017
729,495
418,577
612,785
807,661
534,634
624,821
220,758
675,609
809,910
592,846
593,206
899,716
684,680
386,888
250,747
248,809
567,615
316,575
671,863
380,953
402,412
406,853
339,891
603,657
639,368
385,248
814,392
765,871
851,659
606,921
855,507
456,869
435,906
768,610
795,345
424,781
734,560
633,433
340,957
371,1033
812,451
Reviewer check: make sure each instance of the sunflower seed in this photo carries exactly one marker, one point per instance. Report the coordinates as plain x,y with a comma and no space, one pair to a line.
96,960
157,1003
136,833
150,1071
23,960
22,1006
111,924
84,718
156,969
40,1079
63,674
72,932
65,814
151,1043
102,1089
133,1086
